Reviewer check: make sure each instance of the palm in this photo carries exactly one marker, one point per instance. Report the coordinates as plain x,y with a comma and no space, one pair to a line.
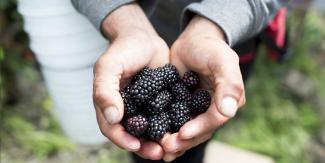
113,71
219,72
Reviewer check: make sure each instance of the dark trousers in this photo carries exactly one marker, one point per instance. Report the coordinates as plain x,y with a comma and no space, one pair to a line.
196,154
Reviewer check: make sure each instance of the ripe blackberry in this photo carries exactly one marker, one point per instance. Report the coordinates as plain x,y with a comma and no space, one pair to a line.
136,125
169,74
145,72
180,93
158,104
166,117
145,89
200,102
130,107
179,115
157,127
191,80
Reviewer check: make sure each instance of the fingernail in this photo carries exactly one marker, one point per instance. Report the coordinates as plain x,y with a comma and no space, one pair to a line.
134,146
111,114
228,106
169,157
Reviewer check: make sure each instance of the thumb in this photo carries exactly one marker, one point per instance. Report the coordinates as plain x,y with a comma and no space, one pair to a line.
230,93
229,96
107,74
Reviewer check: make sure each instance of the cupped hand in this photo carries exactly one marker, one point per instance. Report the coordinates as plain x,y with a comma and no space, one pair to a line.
202,48
134,45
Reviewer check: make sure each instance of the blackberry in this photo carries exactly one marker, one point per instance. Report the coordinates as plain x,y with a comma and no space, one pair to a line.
200,102
157,127
145,72
145,89
136,125
179,115
158,104
180,93
169,74
130,107
166,117
191,80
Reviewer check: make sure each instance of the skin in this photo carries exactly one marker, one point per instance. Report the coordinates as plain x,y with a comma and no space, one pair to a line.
135,44
202,48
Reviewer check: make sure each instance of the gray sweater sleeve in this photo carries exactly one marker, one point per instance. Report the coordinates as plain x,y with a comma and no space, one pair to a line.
97,10
239,19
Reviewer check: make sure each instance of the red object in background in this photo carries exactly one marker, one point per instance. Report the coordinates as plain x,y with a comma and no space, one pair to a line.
247,57
276,30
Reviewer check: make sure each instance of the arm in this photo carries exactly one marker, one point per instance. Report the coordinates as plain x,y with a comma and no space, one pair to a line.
97,10
203,48
134,45
239,20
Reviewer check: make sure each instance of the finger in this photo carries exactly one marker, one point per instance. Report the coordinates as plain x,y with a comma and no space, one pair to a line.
197,58
202,124
107,74
168,157
150,150
175,145
229,91
117,134
225,73
220,64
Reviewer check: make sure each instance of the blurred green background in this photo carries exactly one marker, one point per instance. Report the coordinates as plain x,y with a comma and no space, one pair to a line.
283,118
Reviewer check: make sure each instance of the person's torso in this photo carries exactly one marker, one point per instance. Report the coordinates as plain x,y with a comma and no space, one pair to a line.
166,17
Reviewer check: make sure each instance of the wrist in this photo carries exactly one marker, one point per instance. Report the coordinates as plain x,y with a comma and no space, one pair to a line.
202,27
127,20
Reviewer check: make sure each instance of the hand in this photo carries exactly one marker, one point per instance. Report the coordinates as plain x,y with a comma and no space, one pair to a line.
134,45
202,48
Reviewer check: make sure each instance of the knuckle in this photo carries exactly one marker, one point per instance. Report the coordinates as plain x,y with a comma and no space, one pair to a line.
242,102
171,150
238,88
100,96
233,56
220,123
103,131
99,62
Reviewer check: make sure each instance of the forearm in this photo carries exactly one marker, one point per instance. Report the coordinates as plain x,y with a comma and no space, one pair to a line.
200,26
97,10
238,19
126,20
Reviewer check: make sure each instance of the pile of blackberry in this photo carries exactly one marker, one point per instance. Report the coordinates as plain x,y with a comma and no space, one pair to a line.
158,101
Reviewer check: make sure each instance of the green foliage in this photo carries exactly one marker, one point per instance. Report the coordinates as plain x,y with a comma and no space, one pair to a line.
40,143
4,4
113,156
1,77
307,47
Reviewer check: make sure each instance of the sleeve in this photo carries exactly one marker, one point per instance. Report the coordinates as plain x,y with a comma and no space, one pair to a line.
239,19
97,10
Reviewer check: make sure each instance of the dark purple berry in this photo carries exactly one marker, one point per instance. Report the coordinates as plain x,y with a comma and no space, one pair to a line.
157,127
200,102
136,125
191,80
179,115
158,104
180,93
